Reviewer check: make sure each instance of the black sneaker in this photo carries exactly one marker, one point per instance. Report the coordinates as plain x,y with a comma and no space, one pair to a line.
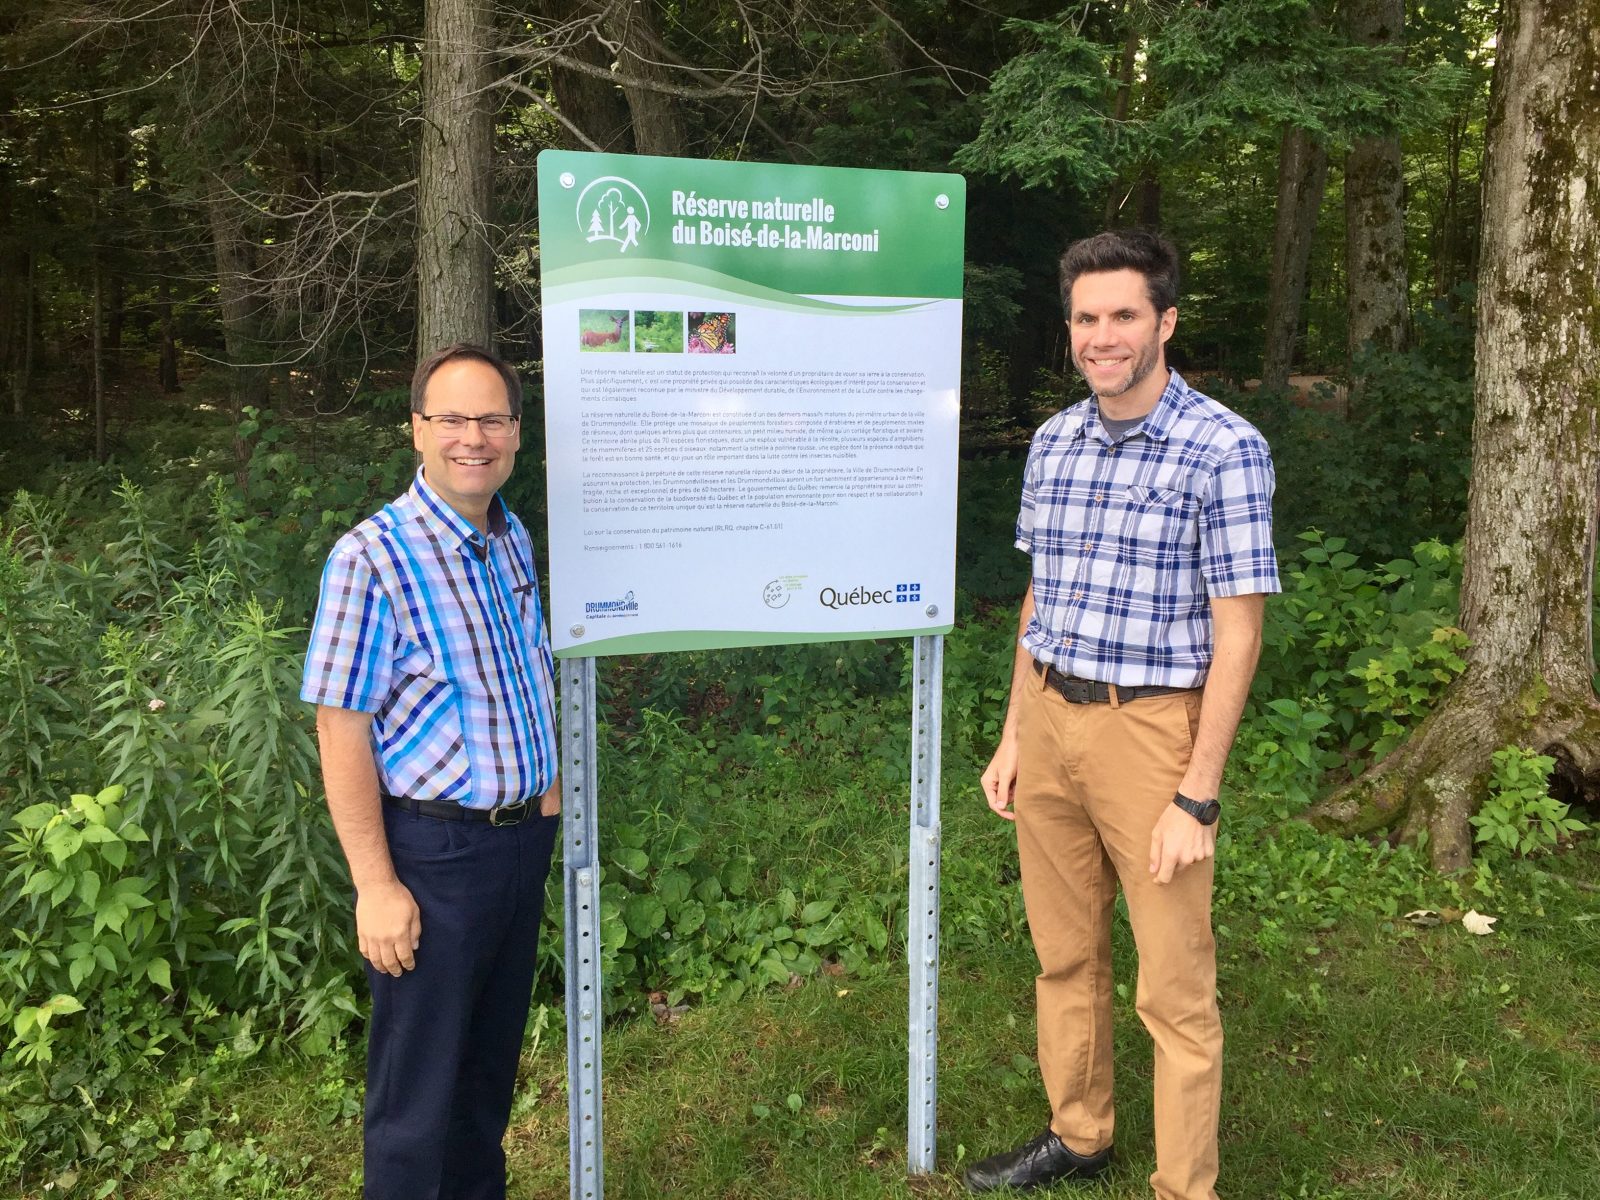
1039,1163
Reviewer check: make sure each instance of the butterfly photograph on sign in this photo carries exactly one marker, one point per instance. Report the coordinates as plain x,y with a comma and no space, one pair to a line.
711,333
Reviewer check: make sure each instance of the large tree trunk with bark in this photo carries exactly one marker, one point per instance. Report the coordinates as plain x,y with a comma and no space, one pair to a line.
240,308
635,26
1527,584
455,279
1302,178
1374,204
595,106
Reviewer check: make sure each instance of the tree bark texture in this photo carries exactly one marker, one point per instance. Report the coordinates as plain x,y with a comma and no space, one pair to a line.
239,303
593,105
22,372
455,280
1529,568
635,27
1374,204
1302,178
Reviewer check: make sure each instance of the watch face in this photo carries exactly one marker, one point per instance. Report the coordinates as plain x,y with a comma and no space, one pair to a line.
1209,812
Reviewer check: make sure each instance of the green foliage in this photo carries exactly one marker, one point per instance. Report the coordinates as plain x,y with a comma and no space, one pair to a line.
1222,73
658,332
1395,472
1046,115
1521,816
1352,658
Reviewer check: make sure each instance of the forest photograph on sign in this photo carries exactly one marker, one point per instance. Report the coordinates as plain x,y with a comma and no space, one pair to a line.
752,401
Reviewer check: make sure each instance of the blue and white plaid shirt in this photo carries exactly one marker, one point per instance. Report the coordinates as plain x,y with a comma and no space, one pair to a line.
1131,538
447,650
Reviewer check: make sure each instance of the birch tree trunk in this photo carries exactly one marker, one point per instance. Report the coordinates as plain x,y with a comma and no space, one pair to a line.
1374,204
1302,177
1527,584
455,279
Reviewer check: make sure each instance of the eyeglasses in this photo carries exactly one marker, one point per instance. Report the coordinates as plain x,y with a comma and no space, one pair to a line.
495,425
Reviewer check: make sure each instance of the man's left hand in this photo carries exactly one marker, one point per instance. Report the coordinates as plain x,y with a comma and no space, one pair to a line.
1178,841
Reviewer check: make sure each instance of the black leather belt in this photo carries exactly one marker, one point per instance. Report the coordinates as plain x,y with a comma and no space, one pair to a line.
446,810
1091,691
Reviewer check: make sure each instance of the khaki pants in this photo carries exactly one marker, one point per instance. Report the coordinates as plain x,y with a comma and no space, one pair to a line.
1092,781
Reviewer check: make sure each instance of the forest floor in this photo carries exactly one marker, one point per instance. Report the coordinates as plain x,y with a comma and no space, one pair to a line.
1372,1058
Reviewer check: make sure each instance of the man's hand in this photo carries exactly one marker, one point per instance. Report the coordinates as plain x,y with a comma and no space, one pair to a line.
1000,779
550,802
388,927
1178,841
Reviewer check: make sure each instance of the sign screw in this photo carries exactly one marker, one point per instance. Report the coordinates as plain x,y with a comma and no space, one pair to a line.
568,179
941,201
932,610
576,631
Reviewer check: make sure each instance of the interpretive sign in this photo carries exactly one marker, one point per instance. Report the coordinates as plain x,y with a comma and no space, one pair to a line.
752,391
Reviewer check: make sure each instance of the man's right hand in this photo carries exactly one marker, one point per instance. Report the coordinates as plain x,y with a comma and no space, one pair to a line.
1000,779
388,927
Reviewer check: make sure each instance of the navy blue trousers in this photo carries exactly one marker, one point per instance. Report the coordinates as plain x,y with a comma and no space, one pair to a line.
444,1040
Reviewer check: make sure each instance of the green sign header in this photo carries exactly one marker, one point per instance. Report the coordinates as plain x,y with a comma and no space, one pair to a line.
801,230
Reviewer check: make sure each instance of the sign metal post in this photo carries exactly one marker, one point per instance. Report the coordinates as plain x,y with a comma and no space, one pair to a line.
922,927
581,827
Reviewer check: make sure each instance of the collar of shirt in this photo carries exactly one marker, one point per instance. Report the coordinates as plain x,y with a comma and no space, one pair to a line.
446,520
1157,422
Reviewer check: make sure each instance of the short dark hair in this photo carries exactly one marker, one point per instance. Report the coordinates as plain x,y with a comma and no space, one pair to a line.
463,350
1141,250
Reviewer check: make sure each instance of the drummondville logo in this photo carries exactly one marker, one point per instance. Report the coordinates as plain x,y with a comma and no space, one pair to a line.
862,596
611,209
598,609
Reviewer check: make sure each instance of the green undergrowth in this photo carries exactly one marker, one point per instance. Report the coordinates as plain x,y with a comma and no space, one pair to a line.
1366,1057
171,895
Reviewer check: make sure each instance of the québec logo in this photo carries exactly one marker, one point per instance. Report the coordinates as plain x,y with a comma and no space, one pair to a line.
611,209
862,596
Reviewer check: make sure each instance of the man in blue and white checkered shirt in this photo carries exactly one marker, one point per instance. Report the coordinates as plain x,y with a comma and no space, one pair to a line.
431,670
1147,510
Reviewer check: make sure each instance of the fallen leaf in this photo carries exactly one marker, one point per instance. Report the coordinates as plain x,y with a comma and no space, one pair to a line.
1422,916
1475,922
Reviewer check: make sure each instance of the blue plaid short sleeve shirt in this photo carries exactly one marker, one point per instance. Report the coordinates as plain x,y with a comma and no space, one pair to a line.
1132,537
438,632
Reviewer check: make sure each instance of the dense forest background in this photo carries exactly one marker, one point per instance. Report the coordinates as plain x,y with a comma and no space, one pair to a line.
228,228
239,201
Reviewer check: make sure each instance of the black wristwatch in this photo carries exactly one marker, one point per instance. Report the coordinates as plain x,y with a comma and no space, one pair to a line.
1204,811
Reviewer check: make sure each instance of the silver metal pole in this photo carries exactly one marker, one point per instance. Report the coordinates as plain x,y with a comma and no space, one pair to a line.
581,827
922,927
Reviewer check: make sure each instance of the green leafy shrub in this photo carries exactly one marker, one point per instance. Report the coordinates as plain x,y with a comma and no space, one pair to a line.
1352,658
1521,816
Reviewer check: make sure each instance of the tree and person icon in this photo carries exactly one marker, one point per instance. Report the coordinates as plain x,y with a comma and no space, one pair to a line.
608,228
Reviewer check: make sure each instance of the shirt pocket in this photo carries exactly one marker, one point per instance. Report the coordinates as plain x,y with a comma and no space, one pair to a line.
1159,524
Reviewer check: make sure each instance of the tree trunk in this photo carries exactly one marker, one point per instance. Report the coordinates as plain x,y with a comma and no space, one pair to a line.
1119,113
239,307
1374,204
22,375
593,105
168,370
1302,177
635,26
1527,582
455,276
99,364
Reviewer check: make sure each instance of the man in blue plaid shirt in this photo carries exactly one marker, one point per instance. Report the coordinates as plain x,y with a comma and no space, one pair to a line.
431,671
1147,510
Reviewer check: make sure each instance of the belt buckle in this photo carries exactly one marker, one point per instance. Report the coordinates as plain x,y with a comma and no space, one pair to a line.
514,813
1074,690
